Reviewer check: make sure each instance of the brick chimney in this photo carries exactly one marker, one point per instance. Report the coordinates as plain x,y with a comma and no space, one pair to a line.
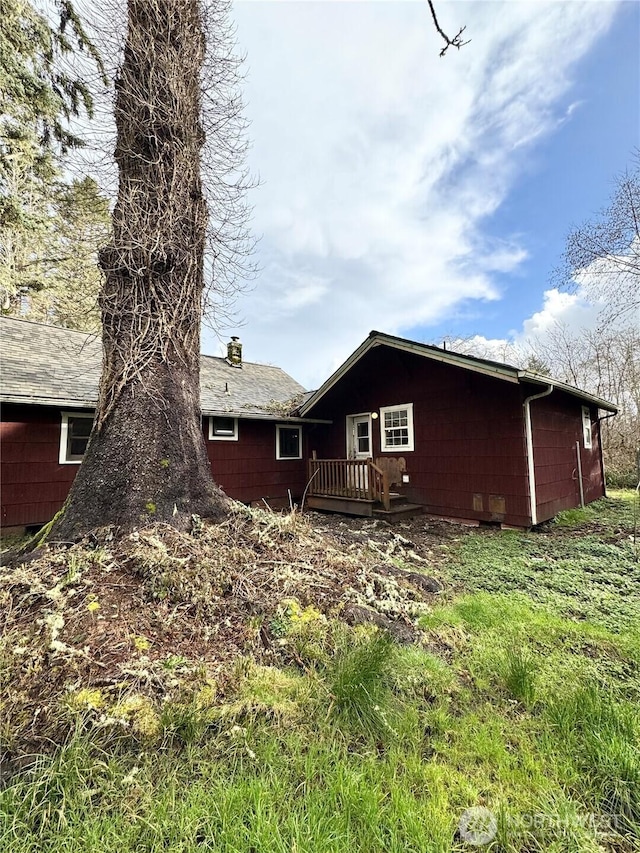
234,352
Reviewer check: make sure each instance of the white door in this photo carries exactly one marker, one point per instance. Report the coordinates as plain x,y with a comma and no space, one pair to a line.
358,447
359,436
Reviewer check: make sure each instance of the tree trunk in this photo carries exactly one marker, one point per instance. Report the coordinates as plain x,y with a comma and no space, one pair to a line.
146,460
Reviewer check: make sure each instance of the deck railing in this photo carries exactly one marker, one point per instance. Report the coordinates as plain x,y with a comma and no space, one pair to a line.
356,479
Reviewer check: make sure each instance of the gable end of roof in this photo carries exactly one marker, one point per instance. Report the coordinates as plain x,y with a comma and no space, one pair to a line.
499,370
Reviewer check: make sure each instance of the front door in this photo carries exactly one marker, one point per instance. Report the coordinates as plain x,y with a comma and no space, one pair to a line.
359,436
358,448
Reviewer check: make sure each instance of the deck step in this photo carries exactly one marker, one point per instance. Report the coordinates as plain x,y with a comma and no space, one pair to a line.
398,511
399,506
397,499
347,506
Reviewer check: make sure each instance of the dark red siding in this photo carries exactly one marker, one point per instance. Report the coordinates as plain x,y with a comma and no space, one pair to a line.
469,461
34,485
556,423
469,433
247,469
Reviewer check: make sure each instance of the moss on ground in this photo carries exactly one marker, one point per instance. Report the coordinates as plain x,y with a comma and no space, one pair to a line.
519,697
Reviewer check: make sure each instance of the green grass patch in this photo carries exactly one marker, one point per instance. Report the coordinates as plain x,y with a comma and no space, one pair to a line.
586,572
358,683
620,509
523,699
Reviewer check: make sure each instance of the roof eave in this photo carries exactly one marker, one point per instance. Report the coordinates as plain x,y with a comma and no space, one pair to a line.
261,416
538,379
54,402
66,403
483,366
506,373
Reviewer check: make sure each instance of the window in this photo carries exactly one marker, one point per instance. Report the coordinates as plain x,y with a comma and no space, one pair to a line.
396,427
223,429
288,442
74,437
362,437
586,427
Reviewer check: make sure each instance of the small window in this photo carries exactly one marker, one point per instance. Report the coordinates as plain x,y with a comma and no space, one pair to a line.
288,442
223,429
586,427
74,437
396,427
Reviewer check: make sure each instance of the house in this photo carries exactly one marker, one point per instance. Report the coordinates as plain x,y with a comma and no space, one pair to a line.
399,427
462,437
49,388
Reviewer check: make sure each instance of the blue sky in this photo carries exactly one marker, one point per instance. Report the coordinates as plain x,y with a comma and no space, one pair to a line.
568,176
423,196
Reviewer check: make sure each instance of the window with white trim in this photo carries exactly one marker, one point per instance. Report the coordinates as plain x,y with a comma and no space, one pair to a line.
74,437
223,429
586,427
288,442
396,428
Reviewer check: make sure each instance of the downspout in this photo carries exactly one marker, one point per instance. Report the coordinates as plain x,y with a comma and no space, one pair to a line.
580,483
533,504
604,473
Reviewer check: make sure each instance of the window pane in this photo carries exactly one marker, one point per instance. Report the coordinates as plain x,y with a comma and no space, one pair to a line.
223,426
363,443
586,427
397,418
289,443
396,428
397,437
81,427
78,432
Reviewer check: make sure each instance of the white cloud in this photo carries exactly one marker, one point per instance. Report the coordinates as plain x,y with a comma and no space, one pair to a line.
569,309
571,312
379,161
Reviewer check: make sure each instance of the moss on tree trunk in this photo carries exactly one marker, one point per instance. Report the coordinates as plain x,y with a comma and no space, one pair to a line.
146,459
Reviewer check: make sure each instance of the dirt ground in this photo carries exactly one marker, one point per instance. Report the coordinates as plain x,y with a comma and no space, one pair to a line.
133,614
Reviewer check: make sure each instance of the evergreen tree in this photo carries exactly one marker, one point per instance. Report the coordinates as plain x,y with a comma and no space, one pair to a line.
38,97
71,279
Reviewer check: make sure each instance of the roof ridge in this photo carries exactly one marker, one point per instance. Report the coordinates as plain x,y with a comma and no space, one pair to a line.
253,363
49,326
97,336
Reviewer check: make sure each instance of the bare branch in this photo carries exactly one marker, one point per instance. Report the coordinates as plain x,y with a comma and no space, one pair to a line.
456,41
602,256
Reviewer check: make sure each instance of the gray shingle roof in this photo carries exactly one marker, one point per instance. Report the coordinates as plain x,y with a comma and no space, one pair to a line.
47,365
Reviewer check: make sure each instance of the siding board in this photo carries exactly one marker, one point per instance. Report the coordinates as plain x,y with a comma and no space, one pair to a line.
35,485
469,431
556,423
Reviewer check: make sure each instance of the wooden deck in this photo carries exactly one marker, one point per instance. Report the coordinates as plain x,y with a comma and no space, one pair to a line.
354,487
351,479
347,506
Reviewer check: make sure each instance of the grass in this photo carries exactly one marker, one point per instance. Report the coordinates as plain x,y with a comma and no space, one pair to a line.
358,684
585,565
523,699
